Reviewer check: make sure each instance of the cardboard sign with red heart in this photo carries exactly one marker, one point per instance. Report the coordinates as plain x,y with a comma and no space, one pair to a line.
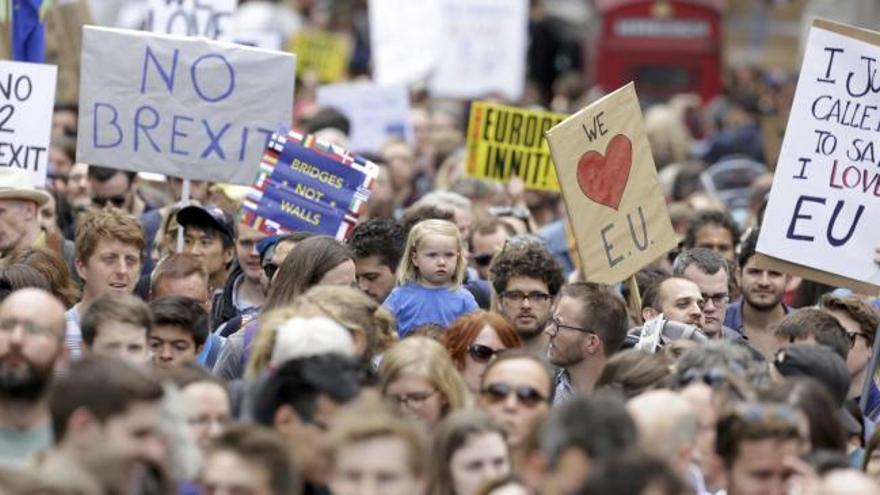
616,207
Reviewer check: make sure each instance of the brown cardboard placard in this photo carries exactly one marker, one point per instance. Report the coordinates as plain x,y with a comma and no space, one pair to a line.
609,182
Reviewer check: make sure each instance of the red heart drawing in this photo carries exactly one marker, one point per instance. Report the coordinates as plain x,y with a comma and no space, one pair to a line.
603,178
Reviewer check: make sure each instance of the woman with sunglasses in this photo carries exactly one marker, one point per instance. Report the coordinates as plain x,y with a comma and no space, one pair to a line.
516,391
421,382
469,451
474,340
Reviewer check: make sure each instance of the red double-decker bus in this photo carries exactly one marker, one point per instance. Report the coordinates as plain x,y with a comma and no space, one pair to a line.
665,46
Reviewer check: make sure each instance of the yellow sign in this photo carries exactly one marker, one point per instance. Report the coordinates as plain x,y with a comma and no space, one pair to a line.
505,142
321,52
609,182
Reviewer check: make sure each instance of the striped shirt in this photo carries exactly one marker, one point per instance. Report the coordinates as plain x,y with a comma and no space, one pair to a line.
72,334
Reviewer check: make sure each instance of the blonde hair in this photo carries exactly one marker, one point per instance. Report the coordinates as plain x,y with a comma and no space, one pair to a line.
427,359
347,306
407,271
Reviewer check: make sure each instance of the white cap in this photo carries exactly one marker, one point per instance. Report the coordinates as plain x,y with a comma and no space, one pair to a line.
306,337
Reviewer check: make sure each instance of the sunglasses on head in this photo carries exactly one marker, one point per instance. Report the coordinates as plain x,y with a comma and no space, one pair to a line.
482,353
527,396
117,201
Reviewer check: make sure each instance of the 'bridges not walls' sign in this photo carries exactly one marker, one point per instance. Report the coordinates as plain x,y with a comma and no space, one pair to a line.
180,106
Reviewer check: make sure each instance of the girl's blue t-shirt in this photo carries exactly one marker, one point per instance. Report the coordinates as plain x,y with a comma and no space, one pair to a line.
414,305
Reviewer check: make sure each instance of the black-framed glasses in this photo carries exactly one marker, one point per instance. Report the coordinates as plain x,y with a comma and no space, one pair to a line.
717,299
483,259
117,201
525,395
483,353
413,400
556,325
269,268
519,297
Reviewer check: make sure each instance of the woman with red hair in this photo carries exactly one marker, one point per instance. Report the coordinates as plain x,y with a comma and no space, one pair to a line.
474,340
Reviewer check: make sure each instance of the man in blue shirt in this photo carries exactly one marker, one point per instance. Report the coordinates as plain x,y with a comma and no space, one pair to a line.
761,303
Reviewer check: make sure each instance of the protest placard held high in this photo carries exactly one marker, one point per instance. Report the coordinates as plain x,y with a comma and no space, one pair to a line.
505,142
185,107
821,215
609,182
27,95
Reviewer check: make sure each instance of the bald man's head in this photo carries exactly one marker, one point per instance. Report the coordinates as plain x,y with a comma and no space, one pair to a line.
35,305
31,344
667,425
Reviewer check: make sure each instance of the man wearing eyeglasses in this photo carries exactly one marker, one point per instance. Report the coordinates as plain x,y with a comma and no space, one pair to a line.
589,324
526,279
31,345
709,271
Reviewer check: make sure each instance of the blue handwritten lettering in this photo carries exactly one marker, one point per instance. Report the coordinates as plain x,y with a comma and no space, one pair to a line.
175,133
112,122
167,76
197,86
214,143
139,124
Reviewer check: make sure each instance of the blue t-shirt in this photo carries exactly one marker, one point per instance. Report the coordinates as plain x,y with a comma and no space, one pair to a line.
414,305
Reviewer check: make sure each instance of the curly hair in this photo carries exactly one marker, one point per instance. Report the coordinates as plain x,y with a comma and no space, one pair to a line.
526,260
709,217
380,237
860,312
110,224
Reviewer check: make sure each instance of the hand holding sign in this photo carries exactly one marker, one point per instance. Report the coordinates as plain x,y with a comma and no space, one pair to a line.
609,183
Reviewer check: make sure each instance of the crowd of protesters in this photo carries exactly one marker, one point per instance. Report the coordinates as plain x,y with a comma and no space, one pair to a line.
449,347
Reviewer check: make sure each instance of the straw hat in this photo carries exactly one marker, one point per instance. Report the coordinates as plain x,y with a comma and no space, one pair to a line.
16,184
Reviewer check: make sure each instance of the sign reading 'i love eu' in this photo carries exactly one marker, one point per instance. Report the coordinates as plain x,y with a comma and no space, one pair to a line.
609,182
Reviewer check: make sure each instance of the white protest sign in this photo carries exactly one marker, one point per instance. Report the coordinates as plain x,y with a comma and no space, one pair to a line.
484,49
825,201
185,107
208,18
405,39
375,112
27,96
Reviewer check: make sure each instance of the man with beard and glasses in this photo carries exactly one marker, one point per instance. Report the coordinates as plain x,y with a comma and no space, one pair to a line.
526,279
31,343
589,324
709,270
761,305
